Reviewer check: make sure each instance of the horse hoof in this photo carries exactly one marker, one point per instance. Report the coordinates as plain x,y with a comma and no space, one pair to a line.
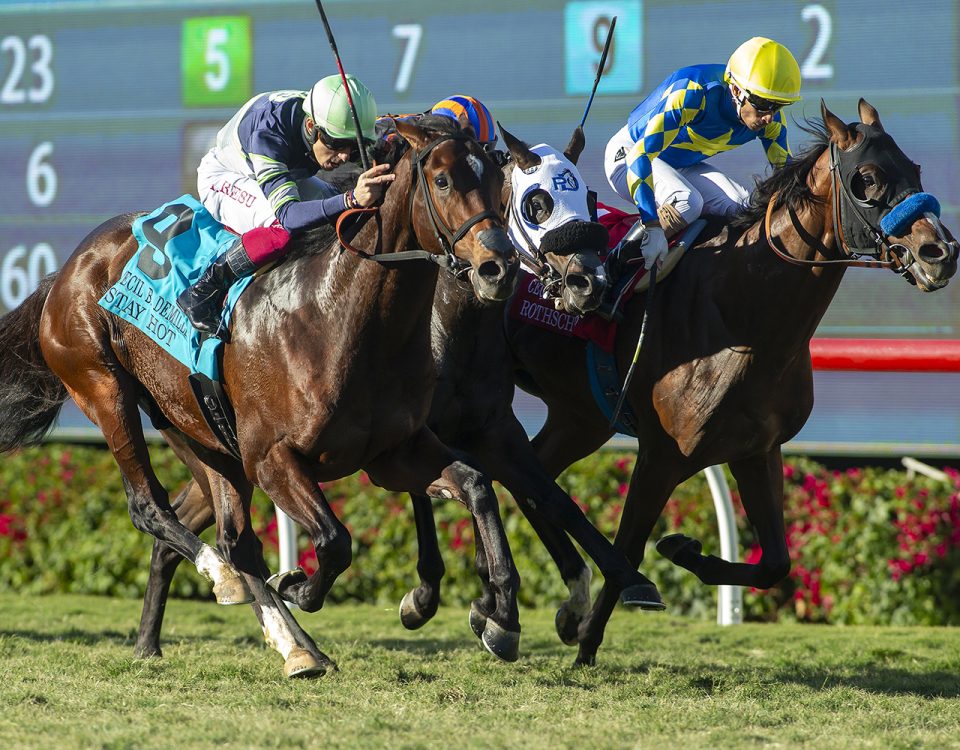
643,595
673,545
280,582
478,620
504,644
585,660
232,590
301,663
410,616
568,625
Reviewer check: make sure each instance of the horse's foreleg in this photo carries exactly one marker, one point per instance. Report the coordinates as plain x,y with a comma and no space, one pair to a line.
291,482
651,484
420,604
760,483
424,465
195,510
553,515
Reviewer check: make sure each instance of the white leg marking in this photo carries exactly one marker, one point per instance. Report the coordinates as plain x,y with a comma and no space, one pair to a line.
579,602
276,632
212,566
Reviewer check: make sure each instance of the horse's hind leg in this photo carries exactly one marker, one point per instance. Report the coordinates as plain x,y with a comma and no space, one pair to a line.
760,484
195,511
420,604
107,394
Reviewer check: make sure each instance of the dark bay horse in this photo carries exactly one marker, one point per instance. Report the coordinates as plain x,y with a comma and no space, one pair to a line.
725,374
472,412
329,371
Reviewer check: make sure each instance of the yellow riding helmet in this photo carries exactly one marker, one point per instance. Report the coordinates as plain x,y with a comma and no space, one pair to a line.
765,68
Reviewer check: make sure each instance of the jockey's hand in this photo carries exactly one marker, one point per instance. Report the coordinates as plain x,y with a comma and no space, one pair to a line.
371,184
654,246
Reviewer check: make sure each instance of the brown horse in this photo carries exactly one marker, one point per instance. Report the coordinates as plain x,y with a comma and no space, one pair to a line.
472,412
724,374
329,370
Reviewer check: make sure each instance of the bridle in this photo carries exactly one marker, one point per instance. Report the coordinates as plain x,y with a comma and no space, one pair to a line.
535,259
894,256
446,238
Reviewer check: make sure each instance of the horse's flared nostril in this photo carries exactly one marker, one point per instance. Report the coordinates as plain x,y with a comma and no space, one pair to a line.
934,252
579,283
492,271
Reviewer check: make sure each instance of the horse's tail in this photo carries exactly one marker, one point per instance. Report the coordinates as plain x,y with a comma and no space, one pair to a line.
30,394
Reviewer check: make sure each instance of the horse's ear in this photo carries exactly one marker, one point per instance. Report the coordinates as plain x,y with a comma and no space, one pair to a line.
413,134
575,147
523,156
836,128
869,115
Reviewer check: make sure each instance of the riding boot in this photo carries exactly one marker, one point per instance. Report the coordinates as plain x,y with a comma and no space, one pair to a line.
617,264
202,303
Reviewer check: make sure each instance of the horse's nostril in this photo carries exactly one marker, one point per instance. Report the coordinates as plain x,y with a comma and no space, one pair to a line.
491,270
579,282
933,252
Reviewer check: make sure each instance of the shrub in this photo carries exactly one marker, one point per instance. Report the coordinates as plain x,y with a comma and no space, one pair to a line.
867,545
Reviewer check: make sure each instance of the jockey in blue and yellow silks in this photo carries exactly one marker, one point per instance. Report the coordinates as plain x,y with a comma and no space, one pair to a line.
657,159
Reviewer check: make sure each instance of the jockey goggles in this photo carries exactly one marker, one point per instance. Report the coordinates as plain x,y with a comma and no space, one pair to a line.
339,144
763,106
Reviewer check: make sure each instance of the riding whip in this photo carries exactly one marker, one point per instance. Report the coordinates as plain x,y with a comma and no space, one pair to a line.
343,76
636,354
603,62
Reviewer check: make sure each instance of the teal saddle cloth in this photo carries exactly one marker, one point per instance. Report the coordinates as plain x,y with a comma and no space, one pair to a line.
177,243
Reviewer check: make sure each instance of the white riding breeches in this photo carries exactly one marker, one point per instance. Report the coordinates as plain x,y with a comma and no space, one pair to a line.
694,190
236,200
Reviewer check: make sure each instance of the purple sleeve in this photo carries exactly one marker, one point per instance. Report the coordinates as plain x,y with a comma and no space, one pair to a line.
306,214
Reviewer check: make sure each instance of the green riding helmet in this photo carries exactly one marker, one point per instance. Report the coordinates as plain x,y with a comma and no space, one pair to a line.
326,103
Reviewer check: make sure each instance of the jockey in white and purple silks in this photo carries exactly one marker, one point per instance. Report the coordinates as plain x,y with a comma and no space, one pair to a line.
259,179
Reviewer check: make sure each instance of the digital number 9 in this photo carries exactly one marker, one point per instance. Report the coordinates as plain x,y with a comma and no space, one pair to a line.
601,27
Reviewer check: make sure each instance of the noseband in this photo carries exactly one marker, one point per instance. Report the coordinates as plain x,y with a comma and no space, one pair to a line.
446,238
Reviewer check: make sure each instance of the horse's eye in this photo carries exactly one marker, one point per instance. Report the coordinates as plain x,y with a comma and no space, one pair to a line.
441,181
868,180
537,206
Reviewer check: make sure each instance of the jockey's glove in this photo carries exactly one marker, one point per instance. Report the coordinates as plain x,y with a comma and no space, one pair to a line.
647,241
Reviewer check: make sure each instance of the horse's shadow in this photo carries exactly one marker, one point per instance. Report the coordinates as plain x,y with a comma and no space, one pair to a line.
881,680
424,647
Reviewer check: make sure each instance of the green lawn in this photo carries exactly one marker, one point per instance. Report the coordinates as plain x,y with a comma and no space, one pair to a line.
68,679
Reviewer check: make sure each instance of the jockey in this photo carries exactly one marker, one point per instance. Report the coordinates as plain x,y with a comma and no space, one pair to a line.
464,109
656,159
259,179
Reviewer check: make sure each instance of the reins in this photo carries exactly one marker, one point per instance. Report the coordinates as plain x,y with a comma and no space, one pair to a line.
890,259
446,238
849,261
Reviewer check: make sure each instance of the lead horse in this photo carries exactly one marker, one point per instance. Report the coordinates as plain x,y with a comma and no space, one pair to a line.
329,370
725,374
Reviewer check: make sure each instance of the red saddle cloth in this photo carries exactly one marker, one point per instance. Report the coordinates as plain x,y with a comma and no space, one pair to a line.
528,305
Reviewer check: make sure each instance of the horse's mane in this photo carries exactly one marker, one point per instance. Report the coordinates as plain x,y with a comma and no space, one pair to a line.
318,239
788,183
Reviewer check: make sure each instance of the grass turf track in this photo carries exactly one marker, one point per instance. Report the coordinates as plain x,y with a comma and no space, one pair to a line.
68,679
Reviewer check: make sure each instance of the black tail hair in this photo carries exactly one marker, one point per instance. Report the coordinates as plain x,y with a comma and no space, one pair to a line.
30,394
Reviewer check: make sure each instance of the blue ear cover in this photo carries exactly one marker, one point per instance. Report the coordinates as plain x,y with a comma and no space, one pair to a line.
895,223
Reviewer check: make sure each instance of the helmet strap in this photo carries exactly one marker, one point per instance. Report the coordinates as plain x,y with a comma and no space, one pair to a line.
738,100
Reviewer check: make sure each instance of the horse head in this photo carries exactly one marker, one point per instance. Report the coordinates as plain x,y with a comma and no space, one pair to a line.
454,209
549,221
878,204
